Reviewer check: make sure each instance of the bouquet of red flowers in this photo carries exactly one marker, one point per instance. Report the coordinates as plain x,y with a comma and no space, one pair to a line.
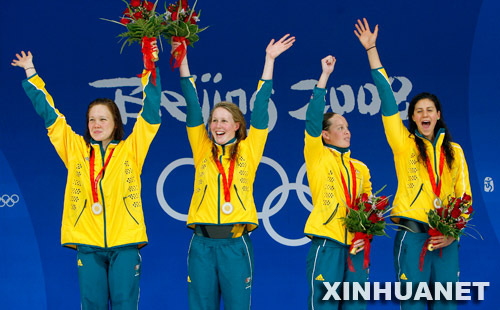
366,218
181,27
448,220
143,25
141,20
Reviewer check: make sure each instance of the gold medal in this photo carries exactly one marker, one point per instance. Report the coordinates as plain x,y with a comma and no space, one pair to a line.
227,208
97,208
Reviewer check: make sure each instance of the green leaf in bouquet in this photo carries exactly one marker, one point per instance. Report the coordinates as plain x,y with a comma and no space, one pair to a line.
192,28
193,38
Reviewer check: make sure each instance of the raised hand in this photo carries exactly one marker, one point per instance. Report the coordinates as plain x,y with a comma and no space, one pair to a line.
328,64
23,60
184,67
154,46
175,45
274,49
365,36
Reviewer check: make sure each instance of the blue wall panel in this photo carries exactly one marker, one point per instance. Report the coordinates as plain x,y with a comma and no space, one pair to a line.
445,47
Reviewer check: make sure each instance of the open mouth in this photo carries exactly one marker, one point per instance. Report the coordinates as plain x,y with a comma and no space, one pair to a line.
426,124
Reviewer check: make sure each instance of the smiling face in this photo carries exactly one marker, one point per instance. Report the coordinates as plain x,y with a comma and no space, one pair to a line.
338,133
101,124
222,126
425,117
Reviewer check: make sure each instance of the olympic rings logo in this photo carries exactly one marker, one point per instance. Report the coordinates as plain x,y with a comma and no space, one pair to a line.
8,201
268,209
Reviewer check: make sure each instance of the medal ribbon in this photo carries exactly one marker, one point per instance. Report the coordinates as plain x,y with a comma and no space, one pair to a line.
93,181
357,235
436,188
227,183
346,190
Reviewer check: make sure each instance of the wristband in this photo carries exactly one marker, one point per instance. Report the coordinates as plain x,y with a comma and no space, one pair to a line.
29,68
370,48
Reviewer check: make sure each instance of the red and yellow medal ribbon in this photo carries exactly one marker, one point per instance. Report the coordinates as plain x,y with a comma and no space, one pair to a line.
436,186
95,181
226,182
350,201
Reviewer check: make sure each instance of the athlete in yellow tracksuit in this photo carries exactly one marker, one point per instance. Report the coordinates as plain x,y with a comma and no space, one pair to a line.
105,224
222,210
329,163
417,193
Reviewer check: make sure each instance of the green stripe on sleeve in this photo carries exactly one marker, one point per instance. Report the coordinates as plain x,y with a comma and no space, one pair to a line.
260,113
194,116
314,113
389,106
152,100
35,89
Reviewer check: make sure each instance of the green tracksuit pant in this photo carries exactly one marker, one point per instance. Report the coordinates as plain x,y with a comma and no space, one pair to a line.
109,277
439,266
220,268
327,262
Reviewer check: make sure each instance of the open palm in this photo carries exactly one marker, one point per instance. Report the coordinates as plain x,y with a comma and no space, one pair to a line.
365,36
274,49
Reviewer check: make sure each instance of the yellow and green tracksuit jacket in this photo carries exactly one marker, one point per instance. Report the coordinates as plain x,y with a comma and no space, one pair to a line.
121,221
415,196
325,164
208,195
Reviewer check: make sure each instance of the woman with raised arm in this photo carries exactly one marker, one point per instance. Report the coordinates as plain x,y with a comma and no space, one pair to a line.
222,211
430,168
102,217
336,180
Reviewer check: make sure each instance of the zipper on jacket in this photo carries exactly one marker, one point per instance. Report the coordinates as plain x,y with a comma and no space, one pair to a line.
103,215
332,215
84,205
434,144
218,186
202,198
418,194
102,198
239,197
126,207
436,165
348,176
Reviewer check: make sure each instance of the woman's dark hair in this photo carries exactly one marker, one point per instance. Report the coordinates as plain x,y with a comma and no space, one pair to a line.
448,149
118,133
238,117
326,122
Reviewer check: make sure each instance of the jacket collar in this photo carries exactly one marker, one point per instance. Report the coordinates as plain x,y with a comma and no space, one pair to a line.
438,139
112,144
227,146
339,151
